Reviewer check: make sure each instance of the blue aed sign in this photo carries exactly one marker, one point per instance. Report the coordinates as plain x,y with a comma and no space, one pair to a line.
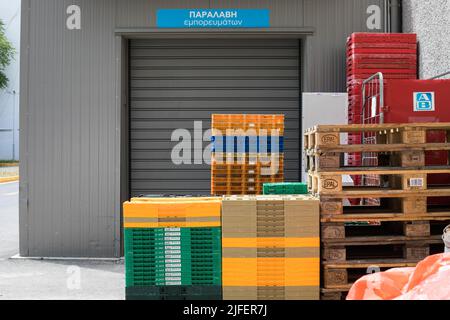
424,101
213,18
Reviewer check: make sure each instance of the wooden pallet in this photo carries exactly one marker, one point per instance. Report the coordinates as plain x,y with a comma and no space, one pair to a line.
389,138
413,239
351,215
323,183
392,203
386,247
333,294
342,275
398,161
343,230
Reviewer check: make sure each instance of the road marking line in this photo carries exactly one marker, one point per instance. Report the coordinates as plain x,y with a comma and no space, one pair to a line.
11,194
9,179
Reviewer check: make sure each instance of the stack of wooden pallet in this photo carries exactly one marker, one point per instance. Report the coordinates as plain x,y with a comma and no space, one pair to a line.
407,224
247,152
271,248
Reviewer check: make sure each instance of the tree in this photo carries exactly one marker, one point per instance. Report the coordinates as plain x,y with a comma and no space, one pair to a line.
7,52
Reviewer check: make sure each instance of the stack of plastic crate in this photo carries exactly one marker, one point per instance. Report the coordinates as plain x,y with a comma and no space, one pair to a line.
393,54
271,248
173,249
248,151
286,188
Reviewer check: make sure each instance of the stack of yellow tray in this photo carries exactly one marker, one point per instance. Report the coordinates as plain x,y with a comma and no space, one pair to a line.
173,248
248,151
172,213
271,248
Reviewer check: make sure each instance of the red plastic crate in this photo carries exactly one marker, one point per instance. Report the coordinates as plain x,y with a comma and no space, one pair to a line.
380,51
380,45
383,37
357,77
384,71
383,56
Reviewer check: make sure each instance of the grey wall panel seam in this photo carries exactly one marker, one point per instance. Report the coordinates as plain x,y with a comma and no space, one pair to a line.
24,124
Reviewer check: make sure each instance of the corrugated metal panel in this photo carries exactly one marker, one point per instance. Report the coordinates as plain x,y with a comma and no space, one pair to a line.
334,21
142,13
71,124
174,83
284,13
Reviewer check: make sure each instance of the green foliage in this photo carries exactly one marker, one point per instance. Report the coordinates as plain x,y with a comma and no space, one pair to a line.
7,52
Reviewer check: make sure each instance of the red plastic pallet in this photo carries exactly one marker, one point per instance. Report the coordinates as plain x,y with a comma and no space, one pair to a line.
383,57
374,65
385,45
383,37
380,50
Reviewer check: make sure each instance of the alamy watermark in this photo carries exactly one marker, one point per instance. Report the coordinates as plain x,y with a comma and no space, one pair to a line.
234,146
73,281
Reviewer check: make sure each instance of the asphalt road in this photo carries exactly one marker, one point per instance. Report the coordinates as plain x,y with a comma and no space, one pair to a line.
49,279
9,219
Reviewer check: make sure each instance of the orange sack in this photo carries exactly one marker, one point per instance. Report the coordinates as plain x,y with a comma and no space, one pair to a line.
429,280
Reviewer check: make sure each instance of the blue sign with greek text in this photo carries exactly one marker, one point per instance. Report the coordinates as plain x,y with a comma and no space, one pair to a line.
213,18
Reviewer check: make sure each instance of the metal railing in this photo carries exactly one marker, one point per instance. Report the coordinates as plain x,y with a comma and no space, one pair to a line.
372,113
373,89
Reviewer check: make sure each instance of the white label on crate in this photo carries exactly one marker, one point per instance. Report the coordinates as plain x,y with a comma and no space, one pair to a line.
170,275
173,243
171,256
172,251
173,278
416,182
172,248
251,189
173,283
251,180
172,239
173,269
173,260
173,265
172,229
173,234
251,171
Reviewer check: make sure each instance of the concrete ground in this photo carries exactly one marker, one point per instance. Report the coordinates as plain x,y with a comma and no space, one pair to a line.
50,279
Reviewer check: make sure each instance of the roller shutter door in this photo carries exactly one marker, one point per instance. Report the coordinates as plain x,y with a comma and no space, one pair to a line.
176,82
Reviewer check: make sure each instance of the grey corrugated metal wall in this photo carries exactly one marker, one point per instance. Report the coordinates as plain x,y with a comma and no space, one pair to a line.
71,112
334,21
176,82
69,188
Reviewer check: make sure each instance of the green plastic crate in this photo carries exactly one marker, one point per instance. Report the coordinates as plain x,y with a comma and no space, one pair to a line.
196,292
196,252
286,188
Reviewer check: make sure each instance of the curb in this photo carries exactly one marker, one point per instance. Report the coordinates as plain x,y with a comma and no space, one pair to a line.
9,165
9,179
113,260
